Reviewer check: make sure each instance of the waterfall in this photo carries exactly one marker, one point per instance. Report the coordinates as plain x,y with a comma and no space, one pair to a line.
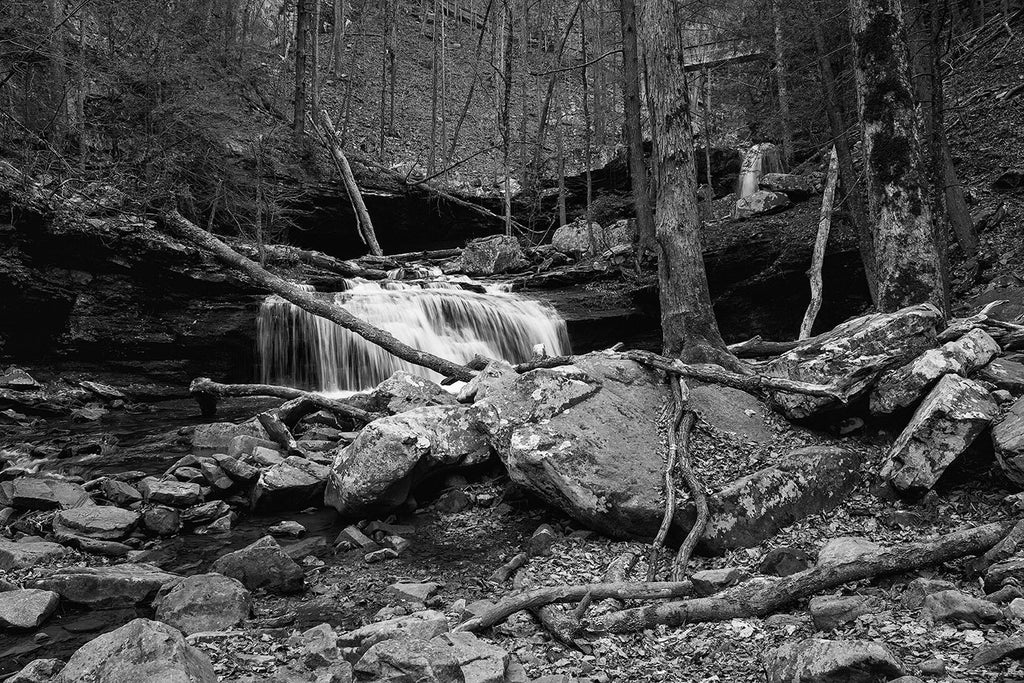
760,159
296,348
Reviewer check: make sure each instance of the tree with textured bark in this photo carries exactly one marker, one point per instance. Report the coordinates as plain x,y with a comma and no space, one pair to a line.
301,43
688,325
638,173
908,258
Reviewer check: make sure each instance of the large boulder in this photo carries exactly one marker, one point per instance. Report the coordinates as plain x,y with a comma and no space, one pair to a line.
28,553
204,602
1005,374
376,471
141,650
1008,439
121,585
586,439
853,355
578,240
293,484
27,608
447,657
945,424
492,255
178,494
216,437
105,523
905,386
404,391
262,564
816,660
760,203
40,493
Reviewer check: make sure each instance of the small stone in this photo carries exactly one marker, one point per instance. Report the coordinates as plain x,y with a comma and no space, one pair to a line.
932,667
380,555
105,523
352,537
830,612
188,474
816,660
993,652
453,501
119,492
120,585
241,472
396,543
287,528
954,606
262,564
1017,608
203,602
1009,571
162,521
541,540
320,647
173,493
266,457
413,593
845,549
918,589
204,513
28,608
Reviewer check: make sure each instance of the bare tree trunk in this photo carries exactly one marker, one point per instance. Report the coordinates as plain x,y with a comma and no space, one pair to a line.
58,83
338,38
908,258
562,218
435,64
850,179
506,104
472,83
307,300
689,328
587,156
820,243
638,173
709,194
301,37
780,79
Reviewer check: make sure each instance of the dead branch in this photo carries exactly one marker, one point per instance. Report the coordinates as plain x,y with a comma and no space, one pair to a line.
502,573
762,596
206,392
550,594
305,300
756,347
820,243
560,625
279,432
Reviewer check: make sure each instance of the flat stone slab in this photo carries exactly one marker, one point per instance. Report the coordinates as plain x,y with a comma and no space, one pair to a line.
169,492
121,585
24,555
28,608
106,523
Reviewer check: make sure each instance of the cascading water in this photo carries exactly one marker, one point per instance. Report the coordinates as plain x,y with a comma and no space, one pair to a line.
299,349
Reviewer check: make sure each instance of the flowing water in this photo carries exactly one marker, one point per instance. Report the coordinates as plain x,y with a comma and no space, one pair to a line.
759,160
298,349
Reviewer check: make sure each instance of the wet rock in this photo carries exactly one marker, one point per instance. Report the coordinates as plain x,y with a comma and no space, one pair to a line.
221,525
175,494
241,472
18,379
38,671
1005,374
905,386
829,612
954,606
120,585
1008,440
204,513
377,470
404,391
27,608
760,203
817,660
919,589
990,653
213,475
1001,573
104,391
141,650
784,562
203,602
413,593
217,437
105,523
266,457
262,564
942,428
119,492
37,493
792,185
845,549
578,240
854,355
293,484
422,625
492,255
287,528
242,446
162,521
710,581
24,555
188,474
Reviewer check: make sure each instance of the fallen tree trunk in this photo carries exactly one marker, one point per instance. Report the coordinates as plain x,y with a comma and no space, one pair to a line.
287,254
206,392
760,597
307,301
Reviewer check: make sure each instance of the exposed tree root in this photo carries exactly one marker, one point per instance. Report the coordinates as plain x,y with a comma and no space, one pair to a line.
756,347
697,494
760,597
206,392
562,626
680,396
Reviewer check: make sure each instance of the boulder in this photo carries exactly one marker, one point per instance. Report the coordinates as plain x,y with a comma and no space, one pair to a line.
176,494
492,255
293,484
1005,374
905,386
162,521
1007,571
18,379
920,588
816,660
853,355
319,647
38,493
404,391
404,660
24,555
792,185
480,661
577,240
119,492
943,427
141,650
845,549
423,625
241,472
376,471
829,612
1008,440
262,564
760,203
27,608
993,652
120,585
710,581
203,602
413,593
38,671
952,605
204,513
105,523
217,437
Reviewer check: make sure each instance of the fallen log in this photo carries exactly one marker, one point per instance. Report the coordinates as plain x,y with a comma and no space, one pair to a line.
760,597
307,301
559,624
531,599
279,432
282,254
206,392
